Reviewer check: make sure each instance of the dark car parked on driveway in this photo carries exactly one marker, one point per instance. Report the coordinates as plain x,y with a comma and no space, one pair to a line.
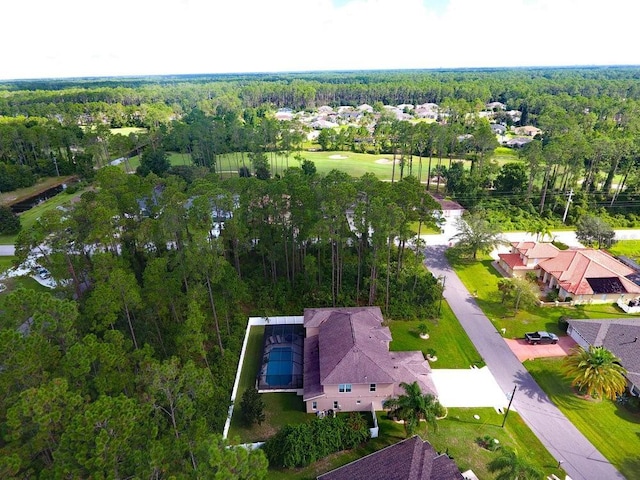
534,338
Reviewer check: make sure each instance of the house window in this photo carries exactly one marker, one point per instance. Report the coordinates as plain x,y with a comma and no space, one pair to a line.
372,387
344,388
314,405
335,405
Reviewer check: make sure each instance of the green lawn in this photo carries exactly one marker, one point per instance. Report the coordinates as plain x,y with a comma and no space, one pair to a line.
456,435
629,248
480,277
504,155
28,218
174,159
6,263
125,131
612,429
446,336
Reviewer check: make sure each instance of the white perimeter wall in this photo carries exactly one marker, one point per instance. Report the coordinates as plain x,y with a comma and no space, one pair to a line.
254,322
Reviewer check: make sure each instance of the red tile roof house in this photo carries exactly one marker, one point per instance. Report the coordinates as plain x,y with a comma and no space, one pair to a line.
410,459
583,274
348,365
619,335
525,256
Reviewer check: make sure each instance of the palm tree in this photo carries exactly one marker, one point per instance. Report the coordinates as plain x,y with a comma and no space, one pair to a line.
597,371
541,230
512,467
413,407
476,234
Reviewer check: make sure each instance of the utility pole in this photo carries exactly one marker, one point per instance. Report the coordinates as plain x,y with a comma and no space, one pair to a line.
444,279
513,394
566,210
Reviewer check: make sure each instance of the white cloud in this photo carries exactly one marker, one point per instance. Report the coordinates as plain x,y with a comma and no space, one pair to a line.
79,37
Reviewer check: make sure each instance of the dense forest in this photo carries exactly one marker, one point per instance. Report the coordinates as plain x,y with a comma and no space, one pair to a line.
589,119
125,370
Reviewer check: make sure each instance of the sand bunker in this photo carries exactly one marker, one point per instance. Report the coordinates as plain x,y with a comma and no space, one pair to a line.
385,161
337,157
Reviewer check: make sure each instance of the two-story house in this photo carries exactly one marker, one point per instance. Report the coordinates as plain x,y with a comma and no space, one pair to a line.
347,362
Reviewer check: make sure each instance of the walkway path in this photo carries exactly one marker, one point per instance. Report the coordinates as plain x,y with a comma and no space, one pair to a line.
579,457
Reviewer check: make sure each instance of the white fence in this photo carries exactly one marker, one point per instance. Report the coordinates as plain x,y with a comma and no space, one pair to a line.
253,322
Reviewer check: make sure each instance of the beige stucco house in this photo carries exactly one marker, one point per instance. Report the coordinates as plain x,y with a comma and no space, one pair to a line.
347,362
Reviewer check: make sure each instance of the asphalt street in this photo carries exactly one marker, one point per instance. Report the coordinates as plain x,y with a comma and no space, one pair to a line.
579,457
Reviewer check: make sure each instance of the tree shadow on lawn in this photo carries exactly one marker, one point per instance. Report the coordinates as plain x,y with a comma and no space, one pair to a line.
527,385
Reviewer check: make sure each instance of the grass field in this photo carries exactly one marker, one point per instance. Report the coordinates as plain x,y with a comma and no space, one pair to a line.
6,263
629,248
481,277
355,164
611,428
28,218
504,155
446,336
125,131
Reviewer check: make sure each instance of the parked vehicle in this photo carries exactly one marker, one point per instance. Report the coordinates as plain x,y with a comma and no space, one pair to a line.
534,338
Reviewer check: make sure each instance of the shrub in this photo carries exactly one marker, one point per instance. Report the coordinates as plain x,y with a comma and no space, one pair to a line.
563,325
488,443
304,443
252,407
560,245
552,296
9,221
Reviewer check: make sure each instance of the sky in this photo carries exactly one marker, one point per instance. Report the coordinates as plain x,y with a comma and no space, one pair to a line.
80,38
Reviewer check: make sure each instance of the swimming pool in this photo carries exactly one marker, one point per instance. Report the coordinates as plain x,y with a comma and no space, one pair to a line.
279,366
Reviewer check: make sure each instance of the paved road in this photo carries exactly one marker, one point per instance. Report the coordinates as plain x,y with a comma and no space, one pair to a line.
580,459
567,237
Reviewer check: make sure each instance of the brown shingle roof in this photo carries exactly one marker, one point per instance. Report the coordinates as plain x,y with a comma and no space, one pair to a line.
446,204
352,346
410,459
311,376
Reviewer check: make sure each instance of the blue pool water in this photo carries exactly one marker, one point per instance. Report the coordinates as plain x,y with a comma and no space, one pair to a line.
280,366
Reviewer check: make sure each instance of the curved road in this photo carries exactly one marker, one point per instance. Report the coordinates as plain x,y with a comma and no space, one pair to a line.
579,457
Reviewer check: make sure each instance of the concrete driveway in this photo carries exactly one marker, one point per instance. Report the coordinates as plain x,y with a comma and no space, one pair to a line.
524,351
471,387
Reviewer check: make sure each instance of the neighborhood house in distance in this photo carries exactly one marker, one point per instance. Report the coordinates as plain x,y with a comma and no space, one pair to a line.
348,365
581,275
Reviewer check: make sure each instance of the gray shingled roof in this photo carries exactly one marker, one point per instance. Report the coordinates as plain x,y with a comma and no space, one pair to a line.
410,459
619,335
